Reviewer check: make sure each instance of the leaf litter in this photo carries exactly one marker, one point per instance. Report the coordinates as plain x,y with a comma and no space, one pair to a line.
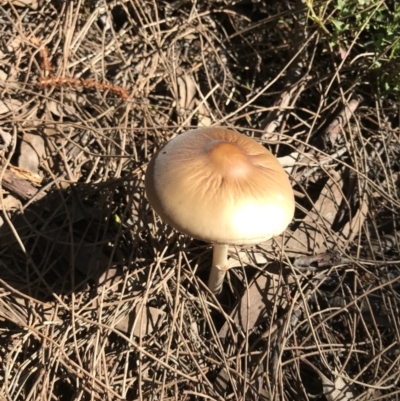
100,300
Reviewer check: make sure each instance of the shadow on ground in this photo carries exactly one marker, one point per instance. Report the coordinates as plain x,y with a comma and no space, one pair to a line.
70,238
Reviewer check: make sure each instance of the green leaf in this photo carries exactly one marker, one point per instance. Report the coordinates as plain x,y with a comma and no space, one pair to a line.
338,25
340,5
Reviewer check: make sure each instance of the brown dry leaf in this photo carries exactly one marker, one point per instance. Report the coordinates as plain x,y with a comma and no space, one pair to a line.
90,259
10,203
4,78
289,160
204,114
353,227
257,302
246,258
336,390
109,279
6,138
31,151
313,233
9,105
65,108
186,92
335,128
142,319
49,131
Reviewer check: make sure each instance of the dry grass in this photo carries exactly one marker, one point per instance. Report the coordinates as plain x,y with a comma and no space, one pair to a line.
99,299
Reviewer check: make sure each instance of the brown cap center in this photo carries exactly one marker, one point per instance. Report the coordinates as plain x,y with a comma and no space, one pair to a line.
229,159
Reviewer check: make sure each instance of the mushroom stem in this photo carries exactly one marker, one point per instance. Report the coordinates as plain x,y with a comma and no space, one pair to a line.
219,268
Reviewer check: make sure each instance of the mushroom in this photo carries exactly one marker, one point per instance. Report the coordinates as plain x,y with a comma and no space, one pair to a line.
222,187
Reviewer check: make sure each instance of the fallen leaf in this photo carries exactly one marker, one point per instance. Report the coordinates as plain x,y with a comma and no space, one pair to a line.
204,119
353,227
4,78
3,75
6,138
31,151
186,94
66,107
10,203
246,258
143,320
336,390
289,160
256,304
313,234
9,105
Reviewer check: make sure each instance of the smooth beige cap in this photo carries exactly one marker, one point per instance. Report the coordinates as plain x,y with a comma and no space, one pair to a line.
220,186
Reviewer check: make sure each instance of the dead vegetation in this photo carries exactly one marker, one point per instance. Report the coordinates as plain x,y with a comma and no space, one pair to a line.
101,301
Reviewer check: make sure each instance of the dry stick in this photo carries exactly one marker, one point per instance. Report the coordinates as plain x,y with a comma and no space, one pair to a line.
328,160
20,187
331,134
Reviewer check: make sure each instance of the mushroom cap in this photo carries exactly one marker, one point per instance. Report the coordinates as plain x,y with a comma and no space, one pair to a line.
220,186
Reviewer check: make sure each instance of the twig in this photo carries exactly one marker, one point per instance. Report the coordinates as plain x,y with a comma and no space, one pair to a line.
331,134
20,187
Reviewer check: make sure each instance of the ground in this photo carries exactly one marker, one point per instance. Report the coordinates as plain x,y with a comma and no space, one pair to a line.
99,299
